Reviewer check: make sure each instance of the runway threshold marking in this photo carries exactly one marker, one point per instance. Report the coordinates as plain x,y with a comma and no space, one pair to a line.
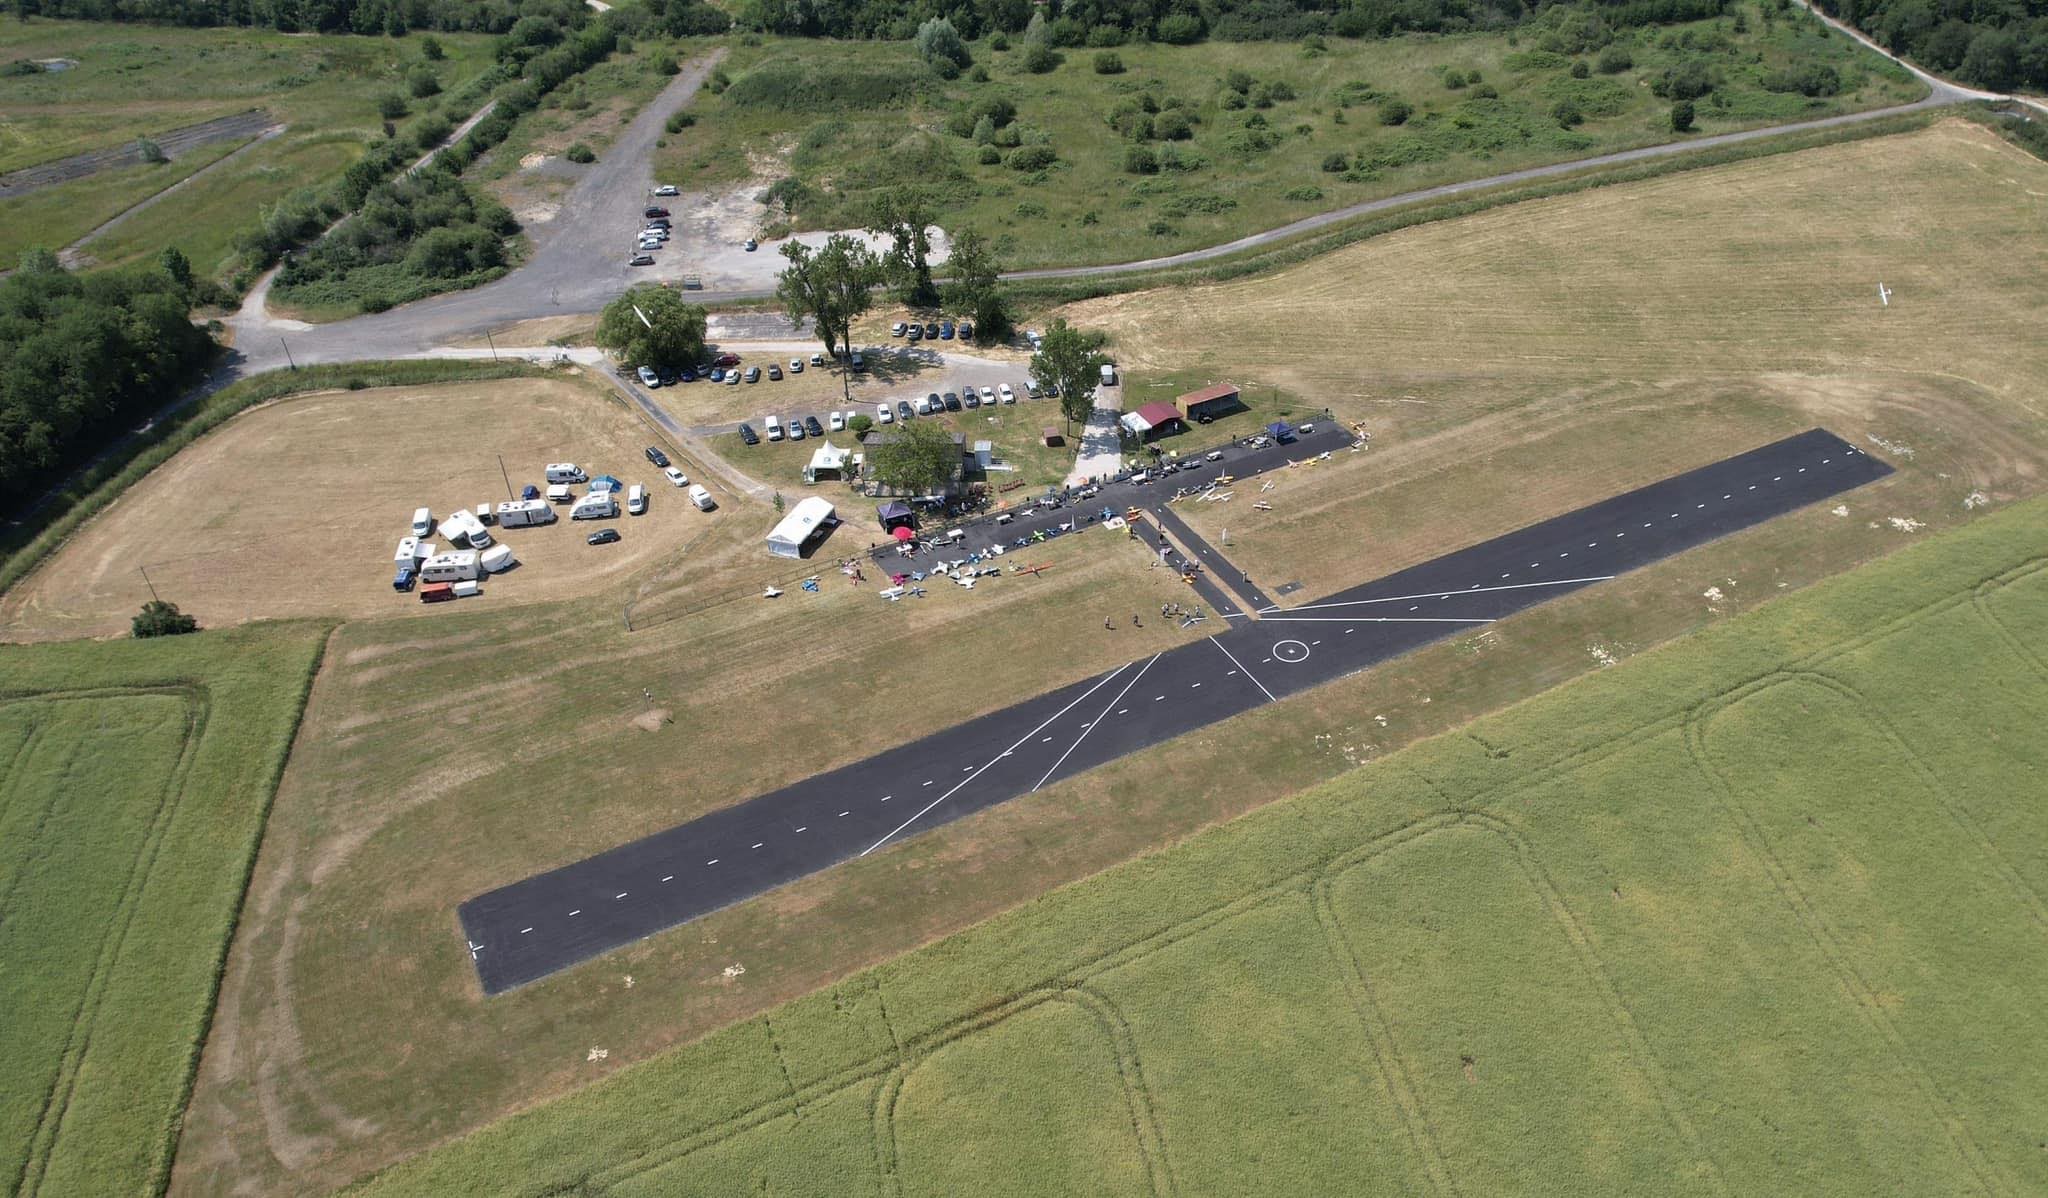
1100,683
1240,665
1091,724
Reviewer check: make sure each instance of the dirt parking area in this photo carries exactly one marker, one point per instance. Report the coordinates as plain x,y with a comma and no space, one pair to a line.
295,508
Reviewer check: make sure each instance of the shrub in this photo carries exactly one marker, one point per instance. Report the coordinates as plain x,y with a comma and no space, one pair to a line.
1232,101
430,48
860,425
1173,125
1614,60
940,45
391,106
1039,59
1484,91
1335,163
978,75
1689,80
1108,62
1567,114
1681,116
984,131
158,618
1239,82
1103,36
1140,160
1454,78
990,156
998,42
1808,79
1303,195
1395,111
666,65
422,83
680,121
1179,29
1580,70
149,150
1032,158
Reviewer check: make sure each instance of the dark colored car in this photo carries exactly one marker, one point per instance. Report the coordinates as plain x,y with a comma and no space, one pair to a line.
640,260
753,374
659,458
903,411
403,580
657,222
717,374
951,402
726,360
931,329
748,436
603,536
529,491
670,376
752,245
651,213
946,331
966,331
775,374
973,400
689,375
812,426
933,403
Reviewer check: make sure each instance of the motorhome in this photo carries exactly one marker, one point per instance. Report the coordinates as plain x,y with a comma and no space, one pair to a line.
449,567
599,505
524,512
565,472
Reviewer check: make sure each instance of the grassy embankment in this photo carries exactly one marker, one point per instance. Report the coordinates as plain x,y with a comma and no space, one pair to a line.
841,119
136,80
134,782
1757,913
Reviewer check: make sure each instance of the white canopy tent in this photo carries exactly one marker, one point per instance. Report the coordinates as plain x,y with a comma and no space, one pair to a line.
828,460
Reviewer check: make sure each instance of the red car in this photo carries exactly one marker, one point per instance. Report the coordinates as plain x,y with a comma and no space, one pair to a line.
726,360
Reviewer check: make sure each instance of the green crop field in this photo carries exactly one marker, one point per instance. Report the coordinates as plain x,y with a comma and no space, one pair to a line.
134,782
1759,912
841,120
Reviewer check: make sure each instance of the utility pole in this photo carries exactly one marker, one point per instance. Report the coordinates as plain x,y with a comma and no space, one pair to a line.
152,586
508,477
288,355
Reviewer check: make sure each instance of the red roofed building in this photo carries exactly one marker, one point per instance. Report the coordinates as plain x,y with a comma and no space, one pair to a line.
1153,420
1209,402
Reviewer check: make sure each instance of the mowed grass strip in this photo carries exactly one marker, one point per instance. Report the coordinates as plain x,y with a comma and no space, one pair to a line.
1636,934
134,782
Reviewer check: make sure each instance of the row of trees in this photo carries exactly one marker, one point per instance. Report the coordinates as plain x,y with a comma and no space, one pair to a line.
1998,44
83,357
393,17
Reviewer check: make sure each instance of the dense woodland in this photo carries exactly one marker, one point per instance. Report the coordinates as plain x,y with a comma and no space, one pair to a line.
83,357
1998,44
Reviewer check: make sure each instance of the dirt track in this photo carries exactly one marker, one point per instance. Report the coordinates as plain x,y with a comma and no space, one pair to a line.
173,144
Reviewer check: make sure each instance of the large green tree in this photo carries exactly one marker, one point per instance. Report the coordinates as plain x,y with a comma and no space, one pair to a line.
975,287
831,287
917,456
904,216
652,326
1072,360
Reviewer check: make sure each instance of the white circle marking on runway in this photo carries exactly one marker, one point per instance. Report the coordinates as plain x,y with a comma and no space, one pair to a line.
1291,652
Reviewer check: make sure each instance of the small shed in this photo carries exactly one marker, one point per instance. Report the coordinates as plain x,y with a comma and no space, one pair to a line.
1153,420
1052,437
896,514
827,461
1209,402
805,522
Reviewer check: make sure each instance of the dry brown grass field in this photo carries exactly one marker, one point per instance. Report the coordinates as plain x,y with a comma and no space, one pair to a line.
1510,365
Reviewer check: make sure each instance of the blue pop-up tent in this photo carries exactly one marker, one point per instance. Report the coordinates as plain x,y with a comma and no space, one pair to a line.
1281,430
605,482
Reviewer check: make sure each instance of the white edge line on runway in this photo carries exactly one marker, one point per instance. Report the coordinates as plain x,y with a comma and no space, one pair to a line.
1100,683
1517,586
1240,665
1091,725
1381,620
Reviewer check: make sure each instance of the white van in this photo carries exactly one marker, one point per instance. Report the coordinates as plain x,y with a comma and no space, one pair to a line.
565,472
702,498
774,427
636,500
1108,375
422,522
598,505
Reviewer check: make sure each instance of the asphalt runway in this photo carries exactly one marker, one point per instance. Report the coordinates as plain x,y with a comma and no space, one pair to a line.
532,928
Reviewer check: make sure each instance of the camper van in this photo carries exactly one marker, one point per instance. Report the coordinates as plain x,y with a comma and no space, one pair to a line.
565,472
702,498
523,512
449,567
636,500
460,523
1108,375
599,505
422,522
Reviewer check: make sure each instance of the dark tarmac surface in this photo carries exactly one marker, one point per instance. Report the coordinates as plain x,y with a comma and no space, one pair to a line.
531,928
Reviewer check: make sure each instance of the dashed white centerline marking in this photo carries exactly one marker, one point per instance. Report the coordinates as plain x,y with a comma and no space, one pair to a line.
1193,685
1231,674
1043,739
1157,698
672,877
805,828
621,894
844,814
759,845
927,783
713,861
1315,642
577,911
524,931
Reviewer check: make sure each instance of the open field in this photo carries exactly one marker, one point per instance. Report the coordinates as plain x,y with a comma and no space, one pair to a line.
1234,179
357,1035
134,781
316,484
1768,835
54,217
134,80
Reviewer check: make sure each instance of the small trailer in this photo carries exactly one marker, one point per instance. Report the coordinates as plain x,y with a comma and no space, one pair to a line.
460,566
496,559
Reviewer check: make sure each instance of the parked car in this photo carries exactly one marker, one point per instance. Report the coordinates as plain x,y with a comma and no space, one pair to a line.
529,492
966,331
748,436
1005,394
753,374
903,408
651,213
858,362
774,424
915,333
796,429
817,359
971,399
774,374
655,455
951,403
988,395
838,422
688,375
669,376
603,536
884,414
667,189
717,374
726,360
403,580
896,330
946,331
1031,388
640,260
796,365
933,404
812,426
931,329
752,245
732,378
648,378
675,477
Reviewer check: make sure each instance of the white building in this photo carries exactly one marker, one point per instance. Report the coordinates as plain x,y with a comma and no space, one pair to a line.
804,522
